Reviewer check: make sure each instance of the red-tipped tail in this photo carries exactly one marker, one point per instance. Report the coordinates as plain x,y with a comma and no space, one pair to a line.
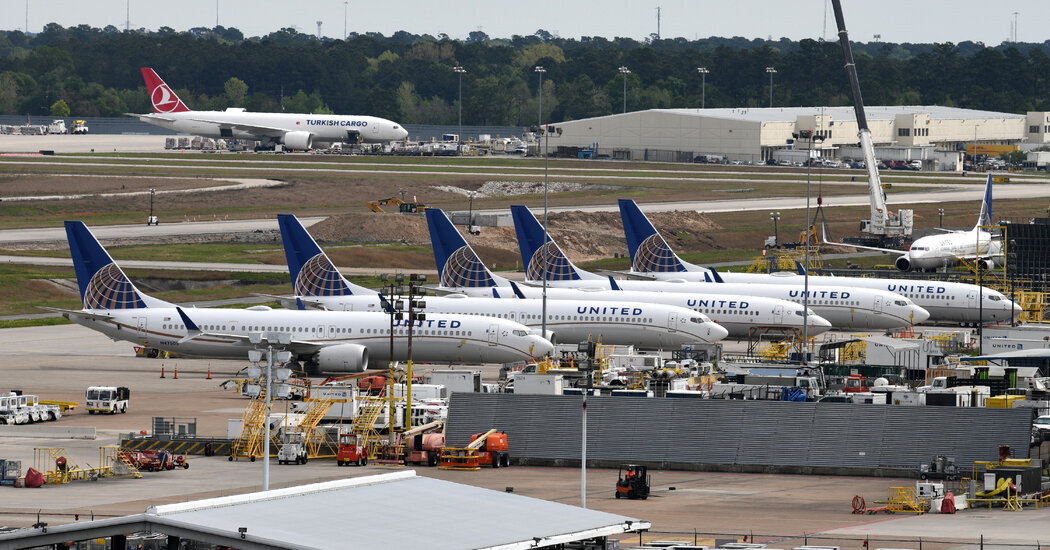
163,98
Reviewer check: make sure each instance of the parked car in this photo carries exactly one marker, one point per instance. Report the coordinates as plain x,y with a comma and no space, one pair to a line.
1041,429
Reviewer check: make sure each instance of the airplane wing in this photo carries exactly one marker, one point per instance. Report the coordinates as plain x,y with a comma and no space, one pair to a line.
629,275
78,312
301,347
150,116
824,239
293,302
268,131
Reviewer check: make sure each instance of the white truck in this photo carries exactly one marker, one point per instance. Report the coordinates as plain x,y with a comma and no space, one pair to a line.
107,399
293,450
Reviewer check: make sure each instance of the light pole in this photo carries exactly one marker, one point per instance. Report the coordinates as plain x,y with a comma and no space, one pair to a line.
703,86
805,134
771,71
776,234
940,217
346,5
973,159
151,220
624,71
539,111
459,71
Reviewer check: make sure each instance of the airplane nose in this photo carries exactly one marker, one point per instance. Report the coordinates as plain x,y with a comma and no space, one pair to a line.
540,346
718,332
917,314
1017,307
818,321
401,133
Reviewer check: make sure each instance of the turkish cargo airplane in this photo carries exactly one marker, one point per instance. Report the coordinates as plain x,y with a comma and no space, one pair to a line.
327,340
936,251
291,130
846,307
460,270
318,283
948,302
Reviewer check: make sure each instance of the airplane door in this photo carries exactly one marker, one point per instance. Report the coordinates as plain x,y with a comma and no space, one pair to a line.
971,299
374,130
672,321
141,327
493,335
878,303
778,315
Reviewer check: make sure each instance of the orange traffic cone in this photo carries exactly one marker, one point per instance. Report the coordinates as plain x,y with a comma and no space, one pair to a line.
209,373
176,377
162,370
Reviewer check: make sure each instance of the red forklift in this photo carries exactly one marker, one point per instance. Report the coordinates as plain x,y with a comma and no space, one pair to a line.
633,482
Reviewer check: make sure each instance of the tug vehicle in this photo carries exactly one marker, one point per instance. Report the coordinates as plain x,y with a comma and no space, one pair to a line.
351,450
107,399
633,482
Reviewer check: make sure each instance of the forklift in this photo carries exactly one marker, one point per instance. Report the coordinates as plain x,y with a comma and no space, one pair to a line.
633,482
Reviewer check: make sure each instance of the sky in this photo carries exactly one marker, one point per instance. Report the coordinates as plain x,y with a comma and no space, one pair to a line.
894,20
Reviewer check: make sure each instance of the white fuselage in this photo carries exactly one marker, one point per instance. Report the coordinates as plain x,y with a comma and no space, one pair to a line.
738,314
843,306
937,251
441,338
617,321
238,124
947,302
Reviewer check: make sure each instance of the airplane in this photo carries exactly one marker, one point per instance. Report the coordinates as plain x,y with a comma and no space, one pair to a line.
318,283
846,307
947,302
934,251
291,130
460,270
326,340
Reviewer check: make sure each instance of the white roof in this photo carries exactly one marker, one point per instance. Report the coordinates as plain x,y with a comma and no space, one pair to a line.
789,114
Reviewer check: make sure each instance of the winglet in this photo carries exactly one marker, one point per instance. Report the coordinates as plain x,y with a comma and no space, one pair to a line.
192,330
161,95
495,294
612,284
299,304
517,290
716,276
385,304
799,267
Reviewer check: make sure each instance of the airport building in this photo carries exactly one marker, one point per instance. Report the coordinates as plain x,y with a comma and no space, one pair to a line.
936,136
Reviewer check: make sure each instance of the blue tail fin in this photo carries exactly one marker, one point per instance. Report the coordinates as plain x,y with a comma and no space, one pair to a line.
649,251
986,204
102,283
313,274
533,250
457,264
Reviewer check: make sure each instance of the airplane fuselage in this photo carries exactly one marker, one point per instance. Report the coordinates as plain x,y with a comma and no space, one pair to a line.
456,338
937,251
237,124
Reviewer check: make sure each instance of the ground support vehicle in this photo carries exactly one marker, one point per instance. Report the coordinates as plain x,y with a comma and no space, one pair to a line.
10,471
488,448
153,460
941,467
292,451
351,450
79,127
107,399
633,482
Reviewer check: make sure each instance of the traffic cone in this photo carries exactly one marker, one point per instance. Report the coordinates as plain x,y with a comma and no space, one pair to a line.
176,377
209,373
162,370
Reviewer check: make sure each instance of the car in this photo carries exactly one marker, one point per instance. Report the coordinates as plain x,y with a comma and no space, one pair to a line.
1041,428
835,399
737,162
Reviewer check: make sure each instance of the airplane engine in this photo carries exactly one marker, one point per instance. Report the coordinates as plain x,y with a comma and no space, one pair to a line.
343,358
298,140
903,263
987,264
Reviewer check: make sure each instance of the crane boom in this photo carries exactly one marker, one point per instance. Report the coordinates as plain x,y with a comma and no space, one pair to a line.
883,223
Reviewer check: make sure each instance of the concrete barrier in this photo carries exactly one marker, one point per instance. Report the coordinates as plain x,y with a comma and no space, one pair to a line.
48,431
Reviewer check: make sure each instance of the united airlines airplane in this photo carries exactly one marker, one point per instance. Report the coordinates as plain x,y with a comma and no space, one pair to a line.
460,270
616,321
329,341
291,130
844,306
947,302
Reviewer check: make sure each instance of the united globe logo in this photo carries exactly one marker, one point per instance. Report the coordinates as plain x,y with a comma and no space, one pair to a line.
318,277
653,255
558,267
109,288
464,269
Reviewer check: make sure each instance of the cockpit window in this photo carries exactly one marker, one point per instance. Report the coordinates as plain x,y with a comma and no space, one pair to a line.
901,303
396,127
798,312
993,298
520,333
696,320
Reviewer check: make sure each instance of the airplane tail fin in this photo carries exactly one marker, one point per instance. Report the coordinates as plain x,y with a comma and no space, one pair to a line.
161,95
649,251
313,274
457,264
103,285
986,205
537,251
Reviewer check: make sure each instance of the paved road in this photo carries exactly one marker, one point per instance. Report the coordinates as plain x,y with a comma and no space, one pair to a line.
104,232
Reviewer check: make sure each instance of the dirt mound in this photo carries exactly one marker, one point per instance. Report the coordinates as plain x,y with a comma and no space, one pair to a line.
583,236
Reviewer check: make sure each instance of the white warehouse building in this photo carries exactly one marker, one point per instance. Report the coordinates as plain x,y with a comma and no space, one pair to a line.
935,135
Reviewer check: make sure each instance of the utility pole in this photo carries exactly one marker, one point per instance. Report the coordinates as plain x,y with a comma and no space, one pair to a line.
459,71
657,22
346,5
539,112
625,71
771,71
703,86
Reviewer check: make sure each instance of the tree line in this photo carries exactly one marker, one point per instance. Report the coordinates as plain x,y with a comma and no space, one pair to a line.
86,71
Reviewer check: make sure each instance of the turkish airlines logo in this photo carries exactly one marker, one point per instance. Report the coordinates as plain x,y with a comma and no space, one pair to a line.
164,101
